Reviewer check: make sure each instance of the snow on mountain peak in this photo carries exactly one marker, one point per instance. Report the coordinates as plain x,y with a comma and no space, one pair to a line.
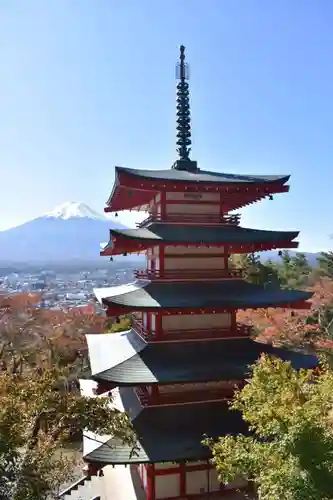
72,209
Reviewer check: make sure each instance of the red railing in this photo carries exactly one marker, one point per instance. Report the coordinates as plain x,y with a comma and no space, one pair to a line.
184,218
192,396
186,274
143,395
193,333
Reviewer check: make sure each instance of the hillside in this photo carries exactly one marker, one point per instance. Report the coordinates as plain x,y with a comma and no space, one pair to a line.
72,231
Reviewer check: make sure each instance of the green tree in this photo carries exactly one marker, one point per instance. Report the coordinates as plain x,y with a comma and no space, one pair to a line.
301,268
254,271
120,324
293,271
325,262
37,418
290,454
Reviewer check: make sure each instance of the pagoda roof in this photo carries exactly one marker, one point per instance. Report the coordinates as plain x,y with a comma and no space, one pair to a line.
168,433
125,359
224,294
203,176
163,233
135,188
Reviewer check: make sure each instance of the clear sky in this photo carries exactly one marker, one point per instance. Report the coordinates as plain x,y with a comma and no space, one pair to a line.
89,84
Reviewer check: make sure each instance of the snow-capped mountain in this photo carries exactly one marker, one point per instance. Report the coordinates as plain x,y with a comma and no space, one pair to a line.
72,209
70,231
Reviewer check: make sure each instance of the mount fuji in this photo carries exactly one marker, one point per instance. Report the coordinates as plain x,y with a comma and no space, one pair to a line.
72,231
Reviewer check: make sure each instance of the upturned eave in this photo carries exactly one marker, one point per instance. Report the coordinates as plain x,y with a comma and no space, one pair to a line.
238,239
134,189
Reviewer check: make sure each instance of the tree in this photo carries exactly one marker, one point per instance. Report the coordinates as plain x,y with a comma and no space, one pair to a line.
30,336
37,418
325,262
307,328
301,269
42,353
293,271
120,324
290,453
254,271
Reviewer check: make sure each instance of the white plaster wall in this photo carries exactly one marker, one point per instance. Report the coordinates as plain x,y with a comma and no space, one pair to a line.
143,474
144,477
153,322
149,255
192,209
214,482
196,482
167,486
202,250
193,263
193,196
195,321
116,484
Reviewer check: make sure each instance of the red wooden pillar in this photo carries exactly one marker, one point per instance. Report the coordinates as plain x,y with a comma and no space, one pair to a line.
221,208
163,205
162,266
233,321
226,257
182,480
159,330
154,393
150,482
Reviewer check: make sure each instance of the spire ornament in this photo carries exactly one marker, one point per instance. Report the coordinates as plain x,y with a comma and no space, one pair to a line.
183,116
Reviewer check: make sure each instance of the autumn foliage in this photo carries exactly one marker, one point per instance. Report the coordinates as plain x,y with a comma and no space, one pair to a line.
42,355
300,327
32,336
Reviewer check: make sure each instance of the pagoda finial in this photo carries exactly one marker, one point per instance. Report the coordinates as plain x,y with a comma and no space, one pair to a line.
183,108
183,116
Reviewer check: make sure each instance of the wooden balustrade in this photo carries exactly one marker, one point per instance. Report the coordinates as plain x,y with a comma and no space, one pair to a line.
200,334
187,218
185,396
188,274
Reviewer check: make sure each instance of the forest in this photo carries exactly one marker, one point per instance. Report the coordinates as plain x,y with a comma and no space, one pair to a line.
43,354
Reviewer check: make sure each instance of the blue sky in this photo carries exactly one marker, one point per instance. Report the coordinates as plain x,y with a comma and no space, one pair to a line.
89,84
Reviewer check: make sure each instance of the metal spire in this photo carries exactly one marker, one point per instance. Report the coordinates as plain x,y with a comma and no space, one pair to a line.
183,108
183,116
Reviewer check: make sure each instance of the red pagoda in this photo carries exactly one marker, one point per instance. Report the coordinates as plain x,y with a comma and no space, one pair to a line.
178,366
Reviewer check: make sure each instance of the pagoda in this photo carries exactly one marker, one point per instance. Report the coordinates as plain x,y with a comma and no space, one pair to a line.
176,369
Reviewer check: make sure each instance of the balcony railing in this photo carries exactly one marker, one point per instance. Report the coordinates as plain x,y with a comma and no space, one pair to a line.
187,218
183,397
201,334
187,394
188,274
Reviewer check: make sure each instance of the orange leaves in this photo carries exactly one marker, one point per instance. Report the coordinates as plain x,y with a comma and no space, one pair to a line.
285,325
43,335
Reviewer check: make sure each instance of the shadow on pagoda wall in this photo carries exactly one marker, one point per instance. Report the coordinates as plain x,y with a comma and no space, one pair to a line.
137,483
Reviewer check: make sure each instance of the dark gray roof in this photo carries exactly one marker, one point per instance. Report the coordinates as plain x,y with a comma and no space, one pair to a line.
231,293
172,433
197,362
204,176
175,233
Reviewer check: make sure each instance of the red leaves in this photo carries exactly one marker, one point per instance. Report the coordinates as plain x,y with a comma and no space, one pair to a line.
281,325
